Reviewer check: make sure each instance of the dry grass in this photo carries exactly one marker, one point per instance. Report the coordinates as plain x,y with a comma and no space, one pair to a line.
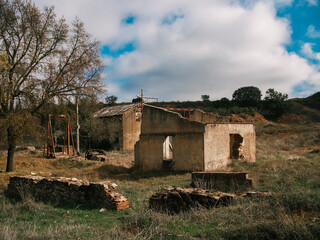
288,164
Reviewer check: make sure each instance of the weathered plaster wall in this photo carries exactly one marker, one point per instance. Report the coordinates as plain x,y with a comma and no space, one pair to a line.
187,152
187,140
131,129
160,121
196,146
217,144
201,116
150,153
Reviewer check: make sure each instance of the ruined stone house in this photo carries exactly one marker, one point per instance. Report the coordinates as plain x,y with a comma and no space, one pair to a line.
168,140
123,123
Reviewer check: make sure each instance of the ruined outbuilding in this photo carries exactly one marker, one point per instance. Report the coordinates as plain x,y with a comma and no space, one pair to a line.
123,123
168,140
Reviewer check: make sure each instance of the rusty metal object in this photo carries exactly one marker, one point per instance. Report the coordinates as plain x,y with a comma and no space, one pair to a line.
68,150
96,155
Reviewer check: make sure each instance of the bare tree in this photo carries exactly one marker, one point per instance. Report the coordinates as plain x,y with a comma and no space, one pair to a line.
41,59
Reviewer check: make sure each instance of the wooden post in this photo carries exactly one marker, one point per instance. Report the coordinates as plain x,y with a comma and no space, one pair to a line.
78,127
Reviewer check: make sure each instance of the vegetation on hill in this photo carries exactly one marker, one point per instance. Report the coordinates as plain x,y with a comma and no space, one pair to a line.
312,101
272,107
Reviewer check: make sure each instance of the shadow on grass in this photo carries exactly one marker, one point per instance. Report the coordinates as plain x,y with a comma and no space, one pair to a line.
30,203
123,173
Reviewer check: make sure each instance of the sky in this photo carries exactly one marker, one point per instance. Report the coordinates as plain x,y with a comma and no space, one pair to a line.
178,50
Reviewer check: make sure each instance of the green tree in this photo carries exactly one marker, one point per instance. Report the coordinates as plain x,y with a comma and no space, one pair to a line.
45,59
272,95
205,98
110,100
275,103
247,96
225,103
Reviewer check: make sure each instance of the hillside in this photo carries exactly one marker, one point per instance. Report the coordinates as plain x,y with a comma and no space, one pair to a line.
296,109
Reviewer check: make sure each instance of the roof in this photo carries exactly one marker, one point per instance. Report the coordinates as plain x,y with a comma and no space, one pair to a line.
114,111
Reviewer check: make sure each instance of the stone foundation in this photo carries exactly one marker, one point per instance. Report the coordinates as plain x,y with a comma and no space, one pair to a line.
222,181
68,191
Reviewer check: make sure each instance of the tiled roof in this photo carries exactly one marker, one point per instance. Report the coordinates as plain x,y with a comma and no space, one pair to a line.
114,111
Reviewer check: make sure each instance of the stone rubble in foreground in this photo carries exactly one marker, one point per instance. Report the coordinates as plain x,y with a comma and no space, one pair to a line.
68,191
175,200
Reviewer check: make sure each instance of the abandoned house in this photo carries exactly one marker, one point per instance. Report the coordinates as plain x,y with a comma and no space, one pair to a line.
168,140
123,123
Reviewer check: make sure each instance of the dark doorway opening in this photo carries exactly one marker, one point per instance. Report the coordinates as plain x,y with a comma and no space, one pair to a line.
236,141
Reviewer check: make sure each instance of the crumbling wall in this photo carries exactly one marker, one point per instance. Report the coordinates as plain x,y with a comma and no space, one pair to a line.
68,190
131,128
187,141
217,149
161,121
202,116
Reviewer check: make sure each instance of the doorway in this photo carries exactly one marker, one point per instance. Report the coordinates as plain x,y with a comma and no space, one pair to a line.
167,160
236,141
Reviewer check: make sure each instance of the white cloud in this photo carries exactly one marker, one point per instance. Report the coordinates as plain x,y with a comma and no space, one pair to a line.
216,46
307,51
312,32
312,2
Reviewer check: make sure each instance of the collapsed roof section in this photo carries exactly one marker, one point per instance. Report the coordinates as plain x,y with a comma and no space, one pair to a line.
114,111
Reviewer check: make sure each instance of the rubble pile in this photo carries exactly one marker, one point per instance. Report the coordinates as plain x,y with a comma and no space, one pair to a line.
175,200
68,190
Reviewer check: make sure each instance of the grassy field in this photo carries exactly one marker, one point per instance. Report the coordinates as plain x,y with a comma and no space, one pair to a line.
288,164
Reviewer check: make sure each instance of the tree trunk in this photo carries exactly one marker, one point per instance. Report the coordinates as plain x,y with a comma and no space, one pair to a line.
11,148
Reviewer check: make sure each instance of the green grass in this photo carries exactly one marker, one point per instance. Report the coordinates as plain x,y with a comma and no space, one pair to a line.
288,164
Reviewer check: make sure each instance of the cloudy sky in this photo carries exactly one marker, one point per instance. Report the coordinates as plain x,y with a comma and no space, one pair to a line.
182,49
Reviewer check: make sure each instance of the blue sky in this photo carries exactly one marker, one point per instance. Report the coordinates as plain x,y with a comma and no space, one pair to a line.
304,17
180,50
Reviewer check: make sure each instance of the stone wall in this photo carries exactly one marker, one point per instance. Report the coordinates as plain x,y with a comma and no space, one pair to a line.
218,148
222,181
68,191
186,135
196,146
131,128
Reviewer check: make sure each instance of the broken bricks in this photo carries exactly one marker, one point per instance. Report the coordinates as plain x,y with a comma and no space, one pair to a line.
68,190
